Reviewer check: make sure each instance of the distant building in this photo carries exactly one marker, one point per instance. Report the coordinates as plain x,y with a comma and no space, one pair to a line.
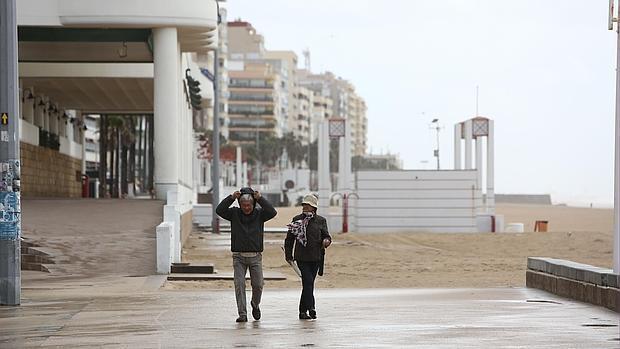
377,162
346,104
253,104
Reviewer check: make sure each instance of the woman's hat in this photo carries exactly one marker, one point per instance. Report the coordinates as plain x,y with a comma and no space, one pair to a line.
311,200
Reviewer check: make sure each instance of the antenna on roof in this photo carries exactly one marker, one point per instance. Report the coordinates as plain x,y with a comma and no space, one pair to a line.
477,94
306,53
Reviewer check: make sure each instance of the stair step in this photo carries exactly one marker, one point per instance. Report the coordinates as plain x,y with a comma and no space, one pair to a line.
192,269
271,276
36,258
34,267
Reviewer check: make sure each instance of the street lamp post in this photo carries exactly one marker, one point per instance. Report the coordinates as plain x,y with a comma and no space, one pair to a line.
435,126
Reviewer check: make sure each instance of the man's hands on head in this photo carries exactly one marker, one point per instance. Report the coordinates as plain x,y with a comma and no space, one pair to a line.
236,195
257,195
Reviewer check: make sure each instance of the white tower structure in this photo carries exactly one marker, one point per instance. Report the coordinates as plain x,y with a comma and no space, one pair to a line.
476,130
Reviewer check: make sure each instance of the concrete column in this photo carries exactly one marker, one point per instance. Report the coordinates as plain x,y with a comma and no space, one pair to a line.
244,174
342,172
70,127
480,202
323,169
347,151
54,123
46,117
479,168
166,113
468,145
458,131
38,112
239,169
491,168
28,106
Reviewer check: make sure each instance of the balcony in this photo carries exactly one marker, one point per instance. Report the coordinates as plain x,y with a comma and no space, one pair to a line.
236,111
250,123
257,84
249,98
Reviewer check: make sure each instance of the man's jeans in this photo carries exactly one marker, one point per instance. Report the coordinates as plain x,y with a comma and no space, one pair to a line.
240,266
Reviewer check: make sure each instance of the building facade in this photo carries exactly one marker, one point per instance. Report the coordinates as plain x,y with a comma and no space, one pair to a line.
253,106
345,103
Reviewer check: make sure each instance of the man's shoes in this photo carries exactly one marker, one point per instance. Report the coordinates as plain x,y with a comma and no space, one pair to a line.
312,313
242,318
304,316
255,311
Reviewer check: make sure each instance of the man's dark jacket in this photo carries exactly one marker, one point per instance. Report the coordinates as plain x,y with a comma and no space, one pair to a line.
316,231
246,230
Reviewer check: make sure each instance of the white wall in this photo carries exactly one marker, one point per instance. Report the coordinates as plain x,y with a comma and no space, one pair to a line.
417,201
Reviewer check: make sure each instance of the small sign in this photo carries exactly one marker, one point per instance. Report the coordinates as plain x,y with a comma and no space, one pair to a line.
337,127
5,118
4,136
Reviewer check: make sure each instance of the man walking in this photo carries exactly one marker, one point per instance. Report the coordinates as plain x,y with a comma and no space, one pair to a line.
247,224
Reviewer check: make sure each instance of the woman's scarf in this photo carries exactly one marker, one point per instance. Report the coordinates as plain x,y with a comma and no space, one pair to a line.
298,228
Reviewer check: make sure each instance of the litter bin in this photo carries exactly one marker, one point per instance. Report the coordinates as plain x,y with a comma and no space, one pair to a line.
541,226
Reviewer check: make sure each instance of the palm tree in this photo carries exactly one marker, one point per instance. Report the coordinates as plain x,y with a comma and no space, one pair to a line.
294,149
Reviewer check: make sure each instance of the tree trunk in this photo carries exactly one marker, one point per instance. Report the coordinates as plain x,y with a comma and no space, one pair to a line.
112,162
145,186
103,155
140,153
132,156
124,170
151,153
117,183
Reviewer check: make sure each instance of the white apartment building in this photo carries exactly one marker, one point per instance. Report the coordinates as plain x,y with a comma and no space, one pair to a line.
346,104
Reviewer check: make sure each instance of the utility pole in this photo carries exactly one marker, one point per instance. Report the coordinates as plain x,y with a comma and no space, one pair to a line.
215,223
10,225
616,247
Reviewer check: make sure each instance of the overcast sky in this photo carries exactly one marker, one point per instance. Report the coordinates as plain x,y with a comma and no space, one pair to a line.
545,71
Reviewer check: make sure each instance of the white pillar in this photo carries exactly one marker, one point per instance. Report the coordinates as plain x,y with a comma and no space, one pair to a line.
239,168
468,140
480,202
479,168
70,129
46,118
342,172
166,112
244,174
491,168
349,185
458,132
28,106
38,112
323,169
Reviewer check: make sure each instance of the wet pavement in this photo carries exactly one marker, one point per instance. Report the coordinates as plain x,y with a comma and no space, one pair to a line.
105,314
100,294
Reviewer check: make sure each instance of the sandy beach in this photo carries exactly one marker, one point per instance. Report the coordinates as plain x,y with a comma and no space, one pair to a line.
433,260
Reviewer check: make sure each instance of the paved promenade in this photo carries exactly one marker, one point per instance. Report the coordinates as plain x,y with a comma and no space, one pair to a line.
91,301
103,314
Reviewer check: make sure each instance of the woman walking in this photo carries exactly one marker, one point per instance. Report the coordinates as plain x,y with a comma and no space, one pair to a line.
308,237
